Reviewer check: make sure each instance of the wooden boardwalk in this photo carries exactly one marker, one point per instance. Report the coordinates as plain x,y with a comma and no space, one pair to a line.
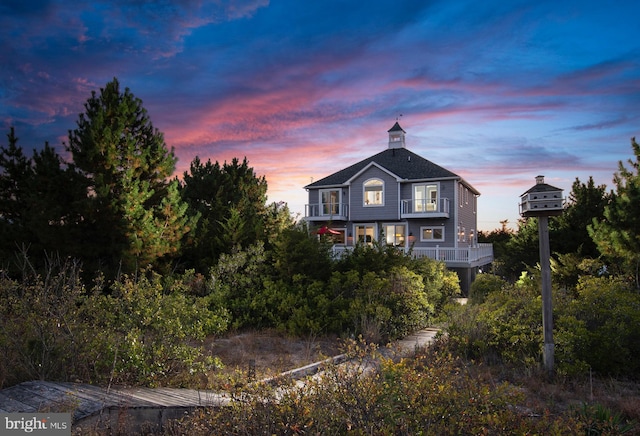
109,407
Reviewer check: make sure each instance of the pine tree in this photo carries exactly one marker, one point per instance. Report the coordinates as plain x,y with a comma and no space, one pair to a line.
39,198
586,203
230,199
15,172
134,214
55,194
617,235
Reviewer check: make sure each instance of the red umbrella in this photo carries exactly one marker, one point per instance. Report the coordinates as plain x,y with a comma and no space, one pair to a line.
324,230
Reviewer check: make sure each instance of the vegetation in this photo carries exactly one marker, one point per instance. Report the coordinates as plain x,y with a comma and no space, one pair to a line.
230,198
131,214
617,233
114,272
137,330
432,392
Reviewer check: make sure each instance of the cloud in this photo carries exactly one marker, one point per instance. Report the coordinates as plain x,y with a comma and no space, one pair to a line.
492,90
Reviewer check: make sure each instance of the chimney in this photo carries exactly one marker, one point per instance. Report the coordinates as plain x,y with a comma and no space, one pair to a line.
539,180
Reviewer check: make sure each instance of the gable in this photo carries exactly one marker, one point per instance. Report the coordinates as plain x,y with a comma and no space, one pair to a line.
373,165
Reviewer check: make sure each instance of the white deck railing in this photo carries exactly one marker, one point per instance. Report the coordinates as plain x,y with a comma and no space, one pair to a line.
425,207
326,211
479,254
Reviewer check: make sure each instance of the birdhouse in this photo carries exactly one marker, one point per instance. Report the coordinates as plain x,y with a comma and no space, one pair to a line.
541,200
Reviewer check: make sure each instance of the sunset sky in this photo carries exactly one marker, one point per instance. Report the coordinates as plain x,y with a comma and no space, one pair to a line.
495,91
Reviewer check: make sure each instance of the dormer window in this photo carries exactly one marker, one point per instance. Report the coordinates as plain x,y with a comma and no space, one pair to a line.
374,192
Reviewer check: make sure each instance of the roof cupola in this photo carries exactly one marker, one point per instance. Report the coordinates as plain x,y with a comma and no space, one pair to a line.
396,136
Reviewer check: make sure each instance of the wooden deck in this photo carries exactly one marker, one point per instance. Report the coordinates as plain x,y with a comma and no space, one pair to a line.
91,405
114,408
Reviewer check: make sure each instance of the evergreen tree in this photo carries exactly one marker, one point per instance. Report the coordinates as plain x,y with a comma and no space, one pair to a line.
499,238
134,215
230,200
39,199
278,219
15,172
55,194
617,234
586,203
522,249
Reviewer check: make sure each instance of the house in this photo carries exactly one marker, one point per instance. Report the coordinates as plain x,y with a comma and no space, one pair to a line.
406,201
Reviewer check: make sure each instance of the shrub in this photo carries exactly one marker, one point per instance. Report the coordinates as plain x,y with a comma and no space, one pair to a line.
38,322
147,333
433,393
483,285
141,333
610,311
440,283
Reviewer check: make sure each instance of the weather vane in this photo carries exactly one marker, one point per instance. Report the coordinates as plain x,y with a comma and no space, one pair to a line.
398,117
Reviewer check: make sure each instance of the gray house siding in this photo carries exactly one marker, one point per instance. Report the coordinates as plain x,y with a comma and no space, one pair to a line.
359,211
467,215
416,226
447,190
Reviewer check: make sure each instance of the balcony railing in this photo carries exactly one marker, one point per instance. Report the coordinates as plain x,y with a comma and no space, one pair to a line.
323,212
477,255
425,208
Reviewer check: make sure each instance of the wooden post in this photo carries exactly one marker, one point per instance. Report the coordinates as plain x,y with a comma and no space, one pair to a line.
547,308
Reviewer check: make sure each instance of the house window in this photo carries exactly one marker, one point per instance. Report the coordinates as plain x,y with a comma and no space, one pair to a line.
374,192
425,198
365,233
431,234
330,199
395,234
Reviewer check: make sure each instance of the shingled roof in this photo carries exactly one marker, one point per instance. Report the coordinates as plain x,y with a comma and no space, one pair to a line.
399,161
540,186
396,127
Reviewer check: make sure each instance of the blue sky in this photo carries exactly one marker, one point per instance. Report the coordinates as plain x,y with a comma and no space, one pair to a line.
496,91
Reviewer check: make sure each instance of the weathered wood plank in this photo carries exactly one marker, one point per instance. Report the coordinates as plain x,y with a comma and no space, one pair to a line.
175,397
8,404
110,397
24,394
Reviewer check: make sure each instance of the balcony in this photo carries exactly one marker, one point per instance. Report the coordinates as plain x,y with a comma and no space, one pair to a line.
326,212
425,208
477,255
468,257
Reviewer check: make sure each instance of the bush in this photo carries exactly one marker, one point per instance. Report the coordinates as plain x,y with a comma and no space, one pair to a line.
39,322
596,326
507,326
147,333
610,311
139,333
483,285
433,393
